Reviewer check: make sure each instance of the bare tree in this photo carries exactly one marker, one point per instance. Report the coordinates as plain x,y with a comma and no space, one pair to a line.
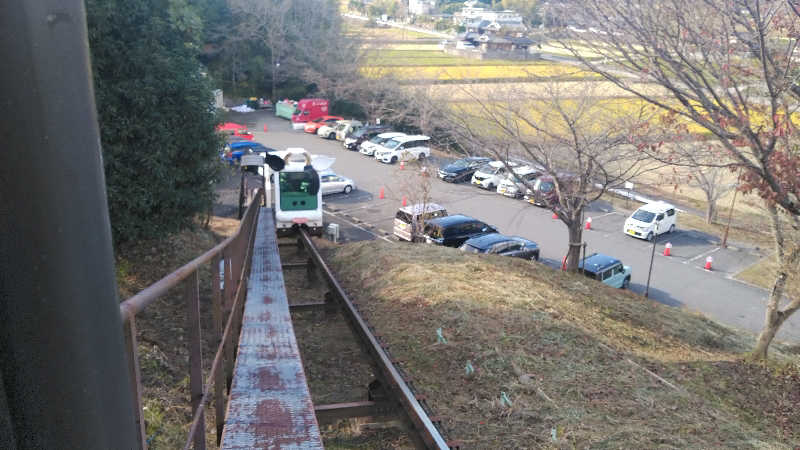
581,147
725,65
298,34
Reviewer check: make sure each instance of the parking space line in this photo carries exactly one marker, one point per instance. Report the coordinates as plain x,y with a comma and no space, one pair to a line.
602,215
359,227
701,255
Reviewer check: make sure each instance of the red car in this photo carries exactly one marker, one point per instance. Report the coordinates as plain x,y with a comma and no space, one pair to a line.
313,126
234,129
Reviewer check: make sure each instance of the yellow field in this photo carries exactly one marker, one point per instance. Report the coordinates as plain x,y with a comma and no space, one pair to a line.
534,90
479,72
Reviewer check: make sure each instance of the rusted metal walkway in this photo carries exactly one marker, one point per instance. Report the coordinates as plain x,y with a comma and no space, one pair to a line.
270,404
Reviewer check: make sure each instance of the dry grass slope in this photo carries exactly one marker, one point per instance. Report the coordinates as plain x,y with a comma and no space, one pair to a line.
592,365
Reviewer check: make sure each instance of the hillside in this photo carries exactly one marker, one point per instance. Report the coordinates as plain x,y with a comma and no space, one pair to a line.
582,364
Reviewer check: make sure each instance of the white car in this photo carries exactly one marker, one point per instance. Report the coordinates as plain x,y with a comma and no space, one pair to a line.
514,185
368,147
350,127
329,131
331,183
491,174
650,220
404,148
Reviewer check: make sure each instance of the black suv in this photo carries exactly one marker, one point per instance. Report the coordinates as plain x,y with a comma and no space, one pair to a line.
462,169
352,141
452,231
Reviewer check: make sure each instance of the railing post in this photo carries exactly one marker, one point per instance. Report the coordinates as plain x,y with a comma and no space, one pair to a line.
192,298
227,304
132,353
219,376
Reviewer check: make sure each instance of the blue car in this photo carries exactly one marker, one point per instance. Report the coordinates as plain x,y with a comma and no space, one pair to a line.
234,151
606,269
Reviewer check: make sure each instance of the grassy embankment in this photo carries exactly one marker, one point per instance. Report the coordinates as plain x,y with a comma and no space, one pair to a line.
162,334
597,366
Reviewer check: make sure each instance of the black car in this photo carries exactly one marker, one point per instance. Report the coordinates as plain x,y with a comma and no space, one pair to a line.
452,231
497,244
461,169
352,141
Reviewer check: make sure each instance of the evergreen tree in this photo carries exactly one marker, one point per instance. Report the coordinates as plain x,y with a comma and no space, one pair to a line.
156,115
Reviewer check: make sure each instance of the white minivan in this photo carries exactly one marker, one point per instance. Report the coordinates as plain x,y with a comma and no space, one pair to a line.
368,147
404,148
651,220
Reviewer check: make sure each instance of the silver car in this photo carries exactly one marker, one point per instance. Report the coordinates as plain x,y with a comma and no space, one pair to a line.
331,183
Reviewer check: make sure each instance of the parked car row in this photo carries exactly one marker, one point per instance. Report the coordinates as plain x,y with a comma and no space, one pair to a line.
528,182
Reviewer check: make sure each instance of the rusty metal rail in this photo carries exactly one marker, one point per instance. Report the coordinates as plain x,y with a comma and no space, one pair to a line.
411,404
226,302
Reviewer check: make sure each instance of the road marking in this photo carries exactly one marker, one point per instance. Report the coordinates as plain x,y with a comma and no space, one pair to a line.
359,227
701,255
601,216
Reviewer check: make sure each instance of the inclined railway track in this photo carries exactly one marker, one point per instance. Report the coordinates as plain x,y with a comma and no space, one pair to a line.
426,429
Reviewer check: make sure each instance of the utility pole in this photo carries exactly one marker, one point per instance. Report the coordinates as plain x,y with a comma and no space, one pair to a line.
730,213
64,379
652,257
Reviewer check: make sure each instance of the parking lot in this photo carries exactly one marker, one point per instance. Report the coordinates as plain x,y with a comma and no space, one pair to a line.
677,280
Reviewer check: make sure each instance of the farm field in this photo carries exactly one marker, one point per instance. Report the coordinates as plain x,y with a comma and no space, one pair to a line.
356,29
545,71
429,57
531,89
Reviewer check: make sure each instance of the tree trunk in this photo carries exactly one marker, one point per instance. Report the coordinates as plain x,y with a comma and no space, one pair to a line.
773,320
711,210
787,261
574,253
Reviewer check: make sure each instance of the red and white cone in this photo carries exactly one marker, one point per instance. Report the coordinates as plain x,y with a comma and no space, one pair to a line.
588,223
402,165
709,260
668,249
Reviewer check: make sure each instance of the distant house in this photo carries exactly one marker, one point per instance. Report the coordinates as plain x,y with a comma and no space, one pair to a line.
483,20
421,7
492,46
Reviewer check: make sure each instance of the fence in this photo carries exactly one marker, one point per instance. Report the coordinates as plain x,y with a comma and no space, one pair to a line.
228,298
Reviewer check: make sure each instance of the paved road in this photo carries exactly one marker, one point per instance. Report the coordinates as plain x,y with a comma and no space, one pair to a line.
679,280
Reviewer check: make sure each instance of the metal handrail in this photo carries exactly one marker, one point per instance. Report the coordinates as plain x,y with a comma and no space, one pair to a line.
235,253
430,435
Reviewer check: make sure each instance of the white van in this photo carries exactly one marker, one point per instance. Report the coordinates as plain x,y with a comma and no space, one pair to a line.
514,185
368,147
651,220
410,220
404,148
491,174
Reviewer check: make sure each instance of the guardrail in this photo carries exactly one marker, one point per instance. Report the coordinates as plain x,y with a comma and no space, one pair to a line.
227,297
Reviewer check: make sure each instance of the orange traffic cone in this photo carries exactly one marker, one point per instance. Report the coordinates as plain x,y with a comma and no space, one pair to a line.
402,165
667,249
588,223
555,216
708,263
265,128
380,195
405,201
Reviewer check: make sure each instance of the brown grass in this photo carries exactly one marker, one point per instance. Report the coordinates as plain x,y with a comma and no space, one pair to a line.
162,337
568,352
761,273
